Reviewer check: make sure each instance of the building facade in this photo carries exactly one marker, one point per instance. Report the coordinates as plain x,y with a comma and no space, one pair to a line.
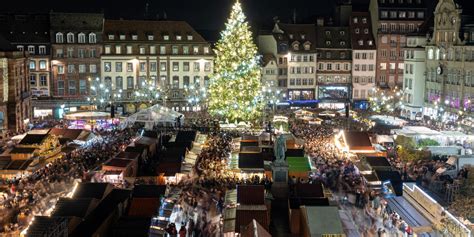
364,59
30,33
391,21
334,56
449,89
414,77
168,57
15,106
76,48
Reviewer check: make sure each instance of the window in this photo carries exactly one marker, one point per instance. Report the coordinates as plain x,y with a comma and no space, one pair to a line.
195,49
92,53
60,69
153,66
206,50
356,93
185,49
356,30
186,66
31,49
32,65
82,87
329,66
118,66
175,84
166,37
42,64
150,37
186,81
190,37
142,66
383,14
361,42
111,37
60,87
42,50
206,81
366,31
119,82
197,80
174,50
118,49
152,49
342,43
81,53
207,66
342,55
92,38
328,42
370,42
70,38
82,68
129,49
178,37
81,38
402,14
71,87
142,50
175,66
162,49
134,37
162,66
107,66
33,79
43,80
355,19
129,82
107,49
197,67
20,48
70,68
364,20
393,14
93,68
420,15
59,38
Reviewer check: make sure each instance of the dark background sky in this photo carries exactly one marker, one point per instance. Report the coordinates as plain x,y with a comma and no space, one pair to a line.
201,14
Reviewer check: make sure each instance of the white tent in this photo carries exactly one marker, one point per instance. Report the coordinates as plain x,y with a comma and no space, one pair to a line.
153,115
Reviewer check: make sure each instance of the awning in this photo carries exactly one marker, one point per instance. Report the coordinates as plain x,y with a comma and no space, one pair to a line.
409,214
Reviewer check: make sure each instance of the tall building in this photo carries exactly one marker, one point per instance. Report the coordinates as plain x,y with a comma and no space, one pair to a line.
391,21
15,94
449,93
364,59
30,33
293,47
76,48
169,55
334,58
414,77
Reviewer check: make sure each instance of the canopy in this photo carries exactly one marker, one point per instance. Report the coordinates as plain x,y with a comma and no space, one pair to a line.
153,115
87,115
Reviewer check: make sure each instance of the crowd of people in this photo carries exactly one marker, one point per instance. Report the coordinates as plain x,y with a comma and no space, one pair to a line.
36,193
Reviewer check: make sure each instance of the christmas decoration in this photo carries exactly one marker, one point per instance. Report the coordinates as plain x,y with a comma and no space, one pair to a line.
235,88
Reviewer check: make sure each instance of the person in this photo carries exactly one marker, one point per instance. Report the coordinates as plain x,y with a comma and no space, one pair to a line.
182,230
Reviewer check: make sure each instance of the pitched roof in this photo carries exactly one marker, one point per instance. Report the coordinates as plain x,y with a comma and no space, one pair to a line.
78,207
156,28
31,139
254,229
25,28
322,220
185,136
116,162
148,191
22,150
128,155
250,194
307,190
298,33
266,58
361,31
76,22
92,190
250,161
46,225
18,164
333,37
131,226
71,134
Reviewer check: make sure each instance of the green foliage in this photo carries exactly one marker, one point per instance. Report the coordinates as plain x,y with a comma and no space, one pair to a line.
405,142
427,142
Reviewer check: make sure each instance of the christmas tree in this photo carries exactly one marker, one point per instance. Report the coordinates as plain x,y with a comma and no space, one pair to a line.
235,89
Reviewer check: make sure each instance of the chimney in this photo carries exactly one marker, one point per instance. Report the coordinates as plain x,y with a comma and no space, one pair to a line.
320,21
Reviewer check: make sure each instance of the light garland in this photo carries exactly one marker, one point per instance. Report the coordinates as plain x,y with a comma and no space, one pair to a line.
235,88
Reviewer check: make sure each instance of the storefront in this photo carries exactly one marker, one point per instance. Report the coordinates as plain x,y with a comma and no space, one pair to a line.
300,94
361,104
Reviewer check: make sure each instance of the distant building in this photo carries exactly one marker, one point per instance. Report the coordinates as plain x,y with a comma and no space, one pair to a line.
392,20
15,94
169,55
364,59
76,48
449,93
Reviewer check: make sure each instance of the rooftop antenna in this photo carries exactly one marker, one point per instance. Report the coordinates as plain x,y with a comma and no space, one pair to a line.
294,15
165,17
146,10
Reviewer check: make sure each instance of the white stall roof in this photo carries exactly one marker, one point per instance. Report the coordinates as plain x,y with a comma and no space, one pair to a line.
416,131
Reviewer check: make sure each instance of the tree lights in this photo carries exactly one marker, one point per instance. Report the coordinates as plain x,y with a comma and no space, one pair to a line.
235,89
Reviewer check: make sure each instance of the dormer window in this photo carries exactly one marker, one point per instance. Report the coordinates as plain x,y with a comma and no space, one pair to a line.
296,46
20,48
190,37
355,20
70,37
366,31
356,30
166,37
122,37
92,38
361,42
134,37
290,36
370,42
328,33
178,37
342,43
303,36
81,38
328,42
342,32
150,37
307,46
364,20
59,37
111,37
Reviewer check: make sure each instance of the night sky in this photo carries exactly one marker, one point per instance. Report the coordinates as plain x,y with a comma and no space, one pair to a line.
201,14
